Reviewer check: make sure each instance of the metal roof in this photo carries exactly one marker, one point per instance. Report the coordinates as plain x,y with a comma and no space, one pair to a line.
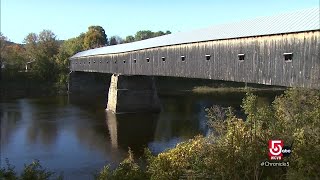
303,20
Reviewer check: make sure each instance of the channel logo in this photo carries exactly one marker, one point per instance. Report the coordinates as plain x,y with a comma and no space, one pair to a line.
277,150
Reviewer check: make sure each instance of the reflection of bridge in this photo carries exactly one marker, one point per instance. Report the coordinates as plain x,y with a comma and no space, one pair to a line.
279,50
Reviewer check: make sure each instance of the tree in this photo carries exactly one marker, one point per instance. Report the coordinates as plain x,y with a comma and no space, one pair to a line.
3,41
48,43
114,40
145,34
168,32
129,39
42,49
11,54
69,48
95,37
159,33
31,45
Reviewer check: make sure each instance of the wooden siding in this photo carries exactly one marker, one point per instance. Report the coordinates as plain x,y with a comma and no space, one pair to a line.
264,61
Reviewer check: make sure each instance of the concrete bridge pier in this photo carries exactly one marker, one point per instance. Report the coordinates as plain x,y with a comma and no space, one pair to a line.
131,94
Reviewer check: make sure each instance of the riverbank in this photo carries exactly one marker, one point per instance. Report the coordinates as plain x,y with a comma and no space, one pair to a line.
23,84
210,90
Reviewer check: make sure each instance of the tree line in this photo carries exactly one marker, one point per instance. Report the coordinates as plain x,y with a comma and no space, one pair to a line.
49,56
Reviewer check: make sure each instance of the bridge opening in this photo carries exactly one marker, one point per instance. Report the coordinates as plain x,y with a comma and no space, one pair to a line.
183,58
241,57
288,57
163,59
208,56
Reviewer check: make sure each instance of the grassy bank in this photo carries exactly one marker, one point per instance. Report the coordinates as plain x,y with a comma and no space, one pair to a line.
208,90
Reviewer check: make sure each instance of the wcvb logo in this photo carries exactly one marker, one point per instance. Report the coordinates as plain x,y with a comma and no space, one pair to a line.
277,150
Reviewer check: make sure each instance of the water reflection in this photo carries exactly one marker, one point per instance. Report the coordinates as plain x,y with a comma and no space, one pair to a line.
131,130
9,117
77,136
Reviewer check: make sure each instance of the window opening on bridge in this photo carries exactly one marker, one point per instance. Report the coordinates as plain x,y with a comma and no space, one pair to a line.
163,59
241,57
94,61
89,62
208,56
115,61
183,58
134,60
124,61
100,61
107,61
148,59
288,57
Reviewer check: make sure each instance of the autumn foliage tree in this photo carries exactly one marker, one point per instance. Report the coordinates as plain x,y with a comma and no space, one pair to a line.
41,50
95,37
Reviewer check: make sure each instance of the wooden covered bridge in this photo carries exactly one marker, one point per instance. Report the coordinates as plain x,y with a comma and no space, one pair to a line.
281,50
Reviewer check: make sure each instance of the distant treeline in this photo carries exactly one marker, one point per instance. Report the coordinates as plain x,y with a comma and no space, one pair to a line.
47,57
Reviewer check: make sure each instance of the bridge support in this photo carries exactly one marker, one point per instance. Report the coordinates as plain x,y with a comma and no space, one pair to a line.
130,94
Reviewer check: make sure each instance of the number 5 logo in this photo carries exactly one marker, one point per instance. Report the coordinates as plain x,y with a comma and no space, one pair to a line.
275,147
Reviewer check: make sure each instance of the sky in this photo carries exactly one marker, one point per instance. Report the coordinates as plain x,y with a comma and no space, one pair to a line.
69,18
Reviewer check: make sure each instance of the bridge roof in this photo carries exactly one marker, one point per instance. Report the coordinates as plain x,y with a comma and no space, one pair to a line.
303,20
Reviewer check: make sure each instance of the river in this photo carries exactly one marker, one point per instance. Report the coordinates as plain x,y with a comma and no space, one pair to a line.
74,135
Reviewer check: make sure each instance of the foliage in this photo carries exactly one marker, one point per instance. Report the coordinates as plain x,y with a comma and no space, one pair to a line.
298,116
41,51
95,37
129,39
114,40
33,171
47,58
185,160
128,169
238,146
146,34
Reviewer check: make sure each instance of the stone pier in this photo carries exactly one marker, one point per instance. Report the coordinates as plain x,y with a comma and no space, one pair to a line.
131,94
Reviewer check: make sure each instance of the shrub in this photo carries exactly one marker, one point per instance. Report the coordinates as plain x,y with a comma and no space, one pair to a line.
237,146
33,171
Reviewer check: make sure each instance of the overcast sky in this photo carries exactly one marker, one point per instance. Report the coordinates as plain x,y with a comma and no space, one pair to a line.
68,18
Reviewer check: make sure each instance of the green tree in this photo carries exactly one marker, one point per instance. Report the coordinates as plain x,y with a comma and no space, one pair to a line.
48,43
145,34
95,37
159,33
31,45
129,39
42,49
68,48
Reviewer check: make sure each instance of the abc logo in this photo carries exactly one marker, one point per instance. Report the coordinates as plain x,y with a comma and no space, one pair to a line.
277,150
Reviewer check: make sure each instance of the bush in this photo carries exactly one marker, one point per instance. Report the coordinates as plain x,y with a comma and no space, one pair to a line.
33,171
128,169
238,146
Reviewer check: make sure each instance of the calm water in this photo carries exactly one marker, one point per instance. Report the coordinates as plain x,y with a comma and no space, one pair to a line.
74,134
